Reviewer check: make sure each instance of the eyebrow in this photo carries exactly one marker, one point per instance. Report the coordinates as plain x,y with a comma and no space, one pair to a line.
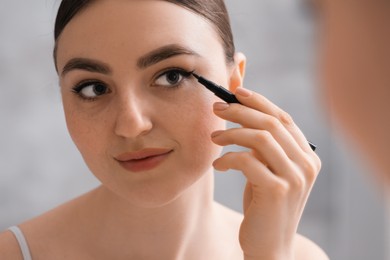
163,53
143,62
86,64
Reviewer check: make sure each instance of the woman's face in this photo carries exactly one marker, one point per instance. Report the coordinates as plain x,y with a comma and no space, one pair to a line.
125,96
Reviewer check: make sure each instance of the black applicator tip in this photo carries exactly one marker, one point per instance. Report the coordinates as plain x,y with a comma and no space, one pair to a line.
195,75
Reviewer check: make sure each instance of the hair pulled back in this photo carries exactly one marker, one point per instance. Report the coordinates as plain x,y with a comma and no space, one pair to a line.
214,11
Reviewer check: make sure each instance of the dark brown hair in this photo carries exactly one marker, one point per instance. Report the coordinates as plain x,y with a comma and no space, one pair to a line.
213,11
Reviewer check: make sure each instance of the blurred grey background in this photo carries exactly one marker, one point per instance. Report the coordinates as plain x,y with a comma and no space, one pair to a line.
40,167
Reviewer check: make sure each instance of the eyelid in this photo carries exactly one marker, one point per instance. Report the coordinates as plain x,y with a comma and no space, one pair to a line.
82,84
183,72
85,83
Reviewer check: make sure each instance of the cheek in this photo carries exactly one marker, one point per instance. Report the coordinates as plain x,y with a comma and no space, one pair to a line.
194,124
86,133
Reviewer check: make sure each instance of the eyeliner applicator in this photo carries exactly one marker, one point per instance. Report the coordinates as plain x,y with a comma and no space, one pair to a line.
219,91
226,95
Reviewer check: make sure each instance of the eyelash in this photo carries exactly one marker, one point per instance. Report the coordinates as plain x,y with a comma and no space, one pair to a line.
184,73
79,87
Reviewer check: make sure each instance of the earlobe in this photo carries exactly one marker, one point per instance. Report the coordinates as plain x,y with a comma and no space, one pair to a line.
238,72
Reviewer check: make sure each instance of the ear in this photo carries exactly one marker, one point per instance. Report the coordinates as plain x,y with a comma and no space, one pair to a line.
238,72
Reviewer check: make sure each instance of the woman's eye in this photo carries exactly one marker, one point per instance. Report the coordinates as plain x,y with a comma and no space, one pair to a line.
91,90
171,78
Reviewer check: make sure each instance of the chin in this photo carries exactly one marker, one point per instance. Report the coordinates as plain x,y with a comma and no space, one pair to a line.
159,192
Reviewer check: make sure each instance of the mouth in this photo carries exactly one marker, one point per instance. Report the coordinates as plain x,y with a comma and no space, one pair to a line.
143,160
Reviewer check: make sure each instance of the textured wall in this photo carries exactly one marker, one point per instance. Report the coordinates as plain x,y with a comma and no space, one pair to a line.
40,168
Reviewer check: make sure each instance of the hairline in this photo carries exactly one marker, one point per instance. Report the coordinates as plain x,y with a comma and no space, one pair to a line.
229,60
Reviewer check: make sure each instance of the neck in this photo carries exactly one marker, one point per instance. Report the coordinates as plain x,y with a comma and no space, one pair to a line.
169,230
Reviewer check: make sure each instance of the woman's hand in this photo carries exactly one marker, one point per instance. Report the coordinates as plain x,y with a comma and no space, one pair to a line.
280,168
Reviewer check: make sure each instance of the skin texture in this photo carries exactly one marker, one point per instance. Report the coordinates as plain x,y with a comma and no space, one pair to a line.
168,212
135,116
355,65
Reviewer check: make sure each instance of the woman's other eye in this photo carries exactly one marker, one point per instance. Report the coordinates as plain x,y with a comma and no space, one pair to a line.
90,90
171,78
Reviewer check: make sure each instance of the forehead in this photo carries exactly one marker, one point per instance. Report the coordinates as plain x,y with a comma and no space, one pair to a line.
134,27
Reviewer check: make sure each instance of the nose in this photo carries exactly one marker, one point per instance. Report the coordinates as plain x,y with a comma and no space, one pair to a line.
132,118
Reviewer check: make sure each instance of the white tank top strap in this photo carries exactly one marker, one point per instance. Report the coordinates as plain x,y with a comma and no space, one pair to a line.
22,242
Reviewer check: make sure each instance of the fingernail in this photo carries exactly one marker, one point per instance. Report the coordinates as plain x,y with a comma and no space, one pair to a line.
216,133
218,167
243,92
221,106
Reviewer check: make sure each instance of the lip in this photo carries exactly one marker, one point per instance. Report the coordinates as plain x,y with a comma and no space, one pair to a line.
143,160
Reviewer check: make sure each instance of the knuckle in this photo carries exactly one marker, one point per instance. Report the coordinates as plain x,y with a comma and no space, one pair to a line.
298,182
262,137
273,123
318,163
280,189
286,118
310,170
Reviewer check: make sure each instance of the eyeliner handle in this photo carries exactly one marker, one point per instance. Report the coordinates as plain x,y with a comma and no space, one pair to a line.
227,96
219,91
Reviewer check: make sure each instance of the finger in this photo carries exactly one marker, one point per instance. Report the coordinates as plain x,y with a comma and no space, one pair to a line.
263,182
251,118
269,152
262,144
247,196
255,171
258,102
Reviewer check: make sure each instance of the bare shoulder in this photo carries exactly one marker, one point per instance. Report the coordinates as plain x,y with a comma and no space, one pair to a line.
42,232
9,247
307,249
